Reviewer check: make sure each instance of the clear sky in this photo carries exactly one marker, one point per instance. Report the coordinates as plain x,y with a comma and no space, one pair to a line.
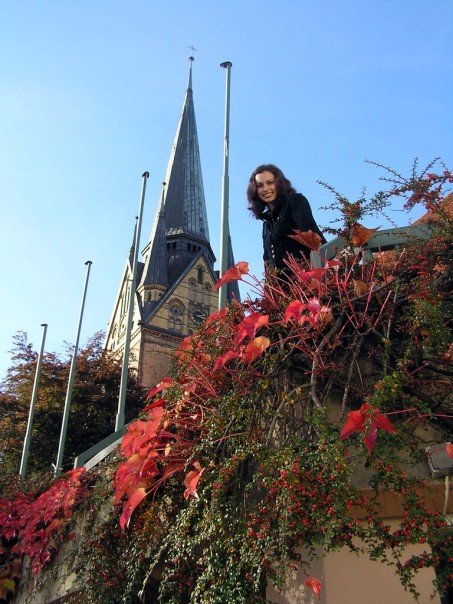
90,96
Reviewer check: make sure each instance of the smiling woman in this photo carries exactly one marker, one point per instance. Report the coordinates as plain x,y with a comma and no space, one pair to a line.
273,200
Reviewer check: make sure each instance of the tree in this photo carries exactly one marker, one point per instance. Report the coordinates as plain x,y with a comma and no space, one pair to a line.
93,407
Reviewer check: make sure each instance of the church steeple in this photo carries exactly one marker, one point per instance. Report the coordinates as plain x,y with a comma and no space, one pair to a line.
176,277
184,201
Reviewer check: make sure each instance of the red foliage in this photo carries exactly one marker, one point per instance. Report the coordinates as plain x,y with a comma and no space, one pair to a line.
360,234
233,274
308,238
315,585
39,524
191,481
449,448
367,419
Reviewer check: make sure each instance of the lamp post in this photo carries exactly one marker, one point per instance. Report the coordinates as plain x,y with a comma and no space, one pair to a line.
34,396
224,224
72,372
120,416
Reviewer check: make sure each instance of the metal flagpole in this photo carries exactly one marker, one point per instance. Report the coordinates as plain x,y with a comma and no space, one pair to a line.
224,225
34,396
120,416
67,404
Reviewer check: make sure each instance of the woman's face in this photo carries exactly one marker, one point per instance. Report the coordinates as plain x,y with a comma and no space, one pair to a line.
266,187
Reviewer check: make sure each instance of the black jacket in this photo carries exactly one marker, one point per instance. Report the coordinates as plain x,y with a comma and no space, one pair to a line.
289,212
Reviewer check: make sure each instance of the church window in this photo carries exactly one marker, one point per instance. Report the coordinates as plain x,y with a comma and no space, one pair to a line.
200,274
175,313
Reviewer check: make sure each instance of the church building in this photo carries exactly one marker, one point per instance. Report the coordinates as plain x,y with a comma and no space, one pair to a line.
175,281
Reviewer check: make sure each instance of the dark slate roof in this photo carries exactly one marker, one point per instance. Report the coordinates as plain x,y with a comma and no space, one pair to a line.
184,203
155,270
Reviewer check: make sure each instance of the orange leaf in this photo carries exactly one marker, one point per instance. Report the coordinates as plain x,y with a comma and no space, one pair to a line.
360,287
255,348
233,274
360,234
315,585
308,238
191,481
449,448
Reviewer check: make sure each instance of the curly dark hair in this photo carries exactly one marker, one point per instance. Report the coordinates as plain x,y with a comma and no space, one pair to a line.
284,186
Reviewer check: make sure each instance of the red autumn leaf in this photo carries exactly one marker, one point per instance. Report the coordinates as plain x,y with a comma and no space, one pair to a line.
332,264
249,325
225,358
255,348
315,585
315,273
140,432
449,449
166,382
215,316
360,234
294,310
234,273
367,419
159,403
308,238
191,482
130,505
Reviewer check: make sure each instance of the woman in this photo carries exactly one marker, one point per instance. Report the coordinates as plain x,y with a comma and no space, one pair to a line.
273,200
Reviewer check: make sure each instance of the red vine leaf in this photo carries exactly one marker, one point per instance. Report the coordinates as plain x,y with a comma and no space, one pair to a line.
234,273
166,382
308,238
218,315
129,506
255,348
249,325
191,482
315,585
367,419
225,358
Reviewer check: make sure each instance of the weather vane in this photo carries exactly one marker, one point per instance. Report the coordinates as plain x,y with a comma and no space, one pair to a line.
192,48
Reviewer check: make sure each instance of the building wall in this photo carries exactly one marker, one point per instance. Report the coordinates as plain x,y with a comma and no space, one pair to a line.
186,305
348,578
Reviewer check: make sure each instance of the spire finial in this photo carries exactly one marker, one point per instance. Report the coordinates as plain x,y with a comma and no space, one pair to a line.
191,60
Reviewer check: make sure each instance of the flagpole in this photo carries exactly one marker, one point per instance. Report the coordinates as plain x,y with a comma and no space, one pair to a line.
67,404
224,224
34,396
120,416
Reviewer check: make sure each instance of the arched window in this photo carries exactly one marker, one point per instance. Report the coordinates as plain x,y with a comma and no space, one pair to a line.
200,274
175,314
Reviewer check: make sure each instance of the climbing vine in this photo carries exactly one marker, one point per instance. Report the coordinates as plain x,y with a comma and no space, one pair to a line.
251,447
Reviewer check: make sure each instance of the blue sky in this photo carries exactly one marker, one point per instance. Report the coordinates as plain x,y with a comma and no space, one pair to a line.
90,97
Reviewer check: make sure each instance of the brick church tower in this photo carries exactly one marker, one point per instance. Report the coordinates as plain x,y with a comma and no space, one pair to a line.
175,280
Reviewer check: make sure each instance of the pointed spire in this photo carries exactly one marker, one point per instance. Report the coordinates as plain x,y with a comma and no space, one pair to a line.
155,269
132,250
185,206
183,203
